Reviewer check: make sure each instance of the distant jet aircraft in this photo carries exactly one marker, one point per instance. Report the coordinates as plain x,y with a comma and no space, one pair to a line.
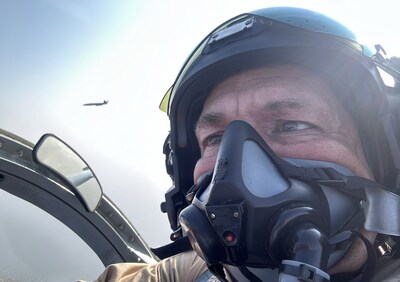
105,102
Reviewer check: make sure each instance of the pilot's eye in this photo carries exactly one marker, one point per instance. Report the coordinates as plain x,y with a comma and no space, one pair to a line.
290,126
214,139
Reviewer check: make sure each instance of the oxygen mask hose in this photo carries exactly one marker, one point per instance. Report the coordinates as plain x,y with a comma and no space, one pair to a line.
303,246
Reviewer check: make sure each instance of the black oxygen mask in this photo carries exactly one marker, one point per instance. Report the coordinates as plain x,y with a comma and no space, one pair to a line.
262,211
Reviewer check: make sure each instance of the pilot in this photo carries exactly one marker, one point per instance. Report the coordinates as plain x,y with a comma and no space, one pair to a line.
284,155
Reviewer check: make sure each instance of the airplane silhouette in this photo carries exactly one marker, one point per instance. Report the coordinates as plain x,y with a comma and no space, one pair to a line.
105,102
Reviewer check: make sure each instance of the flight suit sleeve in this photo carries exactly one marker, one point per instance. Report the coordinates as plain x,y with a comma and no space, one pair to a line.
186,266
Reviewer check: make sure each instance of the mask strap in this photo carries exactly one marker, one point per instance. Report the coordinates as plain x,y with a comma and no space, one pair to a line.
323,175
369,267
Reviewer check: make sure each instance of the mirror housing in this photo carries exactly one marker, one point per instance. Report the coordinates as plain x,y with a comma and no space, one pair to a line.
54,154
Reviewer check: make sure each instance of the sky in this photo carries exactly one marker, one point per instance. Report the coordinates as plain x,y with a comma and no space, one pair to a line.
56,55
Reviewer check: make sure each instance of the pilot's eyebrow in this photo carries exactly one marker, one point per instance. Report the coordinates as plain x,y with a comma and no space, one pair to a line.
209,119
214,119
282,104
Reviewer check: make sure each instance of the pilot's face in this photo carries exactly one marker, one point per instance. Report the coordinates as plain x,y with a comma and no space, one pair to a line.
295,112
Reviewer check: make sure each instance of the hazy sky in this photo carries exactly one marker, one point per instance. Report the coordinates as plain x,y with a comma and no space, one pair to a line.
56,55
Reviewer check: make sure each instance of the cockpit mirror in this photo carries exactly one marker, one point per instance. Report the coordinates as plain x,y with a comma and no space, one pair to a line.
54,154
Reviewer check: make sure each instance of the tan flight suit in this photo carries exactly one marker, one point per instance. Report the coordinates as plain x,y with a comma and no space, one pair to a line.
183,267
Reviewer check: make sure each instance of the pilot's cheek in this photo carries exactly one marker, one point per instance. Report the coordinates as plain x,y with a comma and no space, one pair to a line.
203,165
